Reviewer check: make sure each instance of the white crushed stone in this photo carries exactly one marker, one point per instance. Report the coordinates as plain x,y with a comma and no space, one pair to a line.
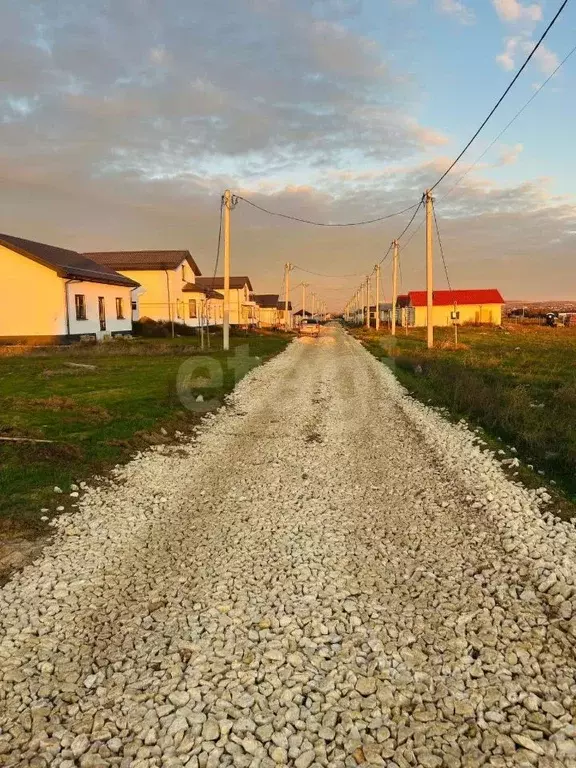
331,574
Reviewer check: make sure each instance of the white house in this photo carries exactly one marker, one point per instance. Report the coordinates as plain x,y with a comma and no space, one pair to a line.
50,294
166,278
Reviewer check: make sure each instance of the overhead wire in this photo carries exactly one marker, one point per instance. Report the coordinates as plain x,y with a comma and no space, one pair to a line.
218,247
506,92
441,249
513,120
323,223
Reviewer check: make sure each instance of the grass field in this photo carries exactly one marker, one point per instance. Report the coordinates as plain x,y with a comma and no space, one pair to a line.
99,404
519,383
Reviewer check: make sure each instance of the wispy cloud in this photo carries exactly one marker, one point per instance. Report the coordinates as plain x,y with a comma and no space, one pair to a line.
546,60
458,10
510,155
514,11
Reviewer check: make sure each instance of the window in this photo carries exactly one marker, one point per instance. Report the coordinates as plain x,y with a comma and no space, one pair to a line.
119,308
80,303
134,306
192,307
184,273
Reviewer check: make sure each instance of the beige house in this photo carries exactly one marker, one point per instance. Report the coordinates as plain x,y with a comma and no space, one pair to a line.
204,305
271,311
479,306
165,278
243,309
51,295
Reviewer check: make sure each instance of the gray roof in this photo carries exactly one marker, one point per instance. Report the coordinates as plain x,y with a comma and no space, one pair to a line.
218,282
267,300
208,292
68,264
138,260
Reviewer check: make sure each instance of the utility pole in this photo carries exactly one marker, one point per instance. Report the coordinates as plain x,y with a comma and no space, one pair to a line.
226,321
429,275
313,304
377,297
304,285
368,301
394,284
287,270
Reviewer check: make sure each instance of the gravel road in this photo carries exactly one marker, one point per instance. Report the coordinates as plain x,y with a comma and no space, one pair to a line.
330,574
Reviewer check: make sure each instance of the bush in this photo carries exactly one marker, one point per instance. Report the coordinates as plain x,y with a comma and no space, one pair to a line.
158,329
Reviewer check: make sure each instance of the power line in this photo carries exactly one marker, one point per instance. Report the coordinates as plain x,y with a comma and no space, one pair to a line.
501,99
219,244
441,248
322,223
322,274
513,120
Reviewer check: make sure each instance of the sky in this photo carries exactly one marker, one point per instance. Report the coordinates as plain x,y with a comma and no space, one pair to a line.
123,121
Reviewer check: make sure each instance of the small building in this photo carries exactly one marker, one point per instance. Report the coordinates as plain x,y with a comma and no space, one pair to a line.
204,306
478,305
243,309
300,314
164,277
54,295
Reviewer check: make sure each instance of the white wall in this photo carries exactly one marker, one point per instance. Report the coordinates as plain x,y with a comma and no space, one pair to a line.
92,324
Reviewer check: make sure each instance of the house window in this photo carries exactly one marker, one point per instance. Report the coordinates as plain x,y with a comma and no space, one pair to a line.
134,306
184,274
192,307
80,303
245,293
119,308
178,310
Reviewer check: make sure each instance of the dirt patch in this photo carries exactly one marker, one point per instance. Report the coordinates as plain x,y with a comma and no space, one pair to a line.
18,548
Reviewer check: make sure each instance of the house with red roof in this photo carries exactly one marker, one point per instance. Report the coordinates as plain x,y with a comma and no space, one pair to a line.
476,305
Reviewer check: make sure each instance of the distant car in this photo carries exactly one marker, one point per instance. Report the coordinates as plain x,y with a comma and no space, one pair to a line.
309,327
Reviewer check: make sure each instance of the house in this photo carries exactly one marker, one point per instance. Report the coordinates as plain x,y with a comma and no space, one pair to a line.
164,277
243,310
204,305
298,315
51,294
268,309
480,305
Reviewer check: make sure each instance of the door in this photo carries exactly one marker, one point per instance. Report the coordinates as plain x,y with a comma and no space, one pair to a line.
102,313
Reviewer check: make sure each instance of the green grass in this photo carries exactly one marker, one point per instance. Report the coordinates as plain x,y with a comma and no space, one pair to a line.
518,383
99,417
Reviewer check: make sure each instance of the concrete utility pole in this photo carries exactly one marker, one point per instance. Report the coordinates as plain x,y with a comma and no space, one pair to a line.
429,275
377,297
226,321
304,285
394,284
368,301
287,270
313,304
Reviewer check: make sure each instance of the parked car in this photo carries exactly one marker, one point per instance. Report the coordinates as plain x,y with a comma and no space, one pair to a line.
309,327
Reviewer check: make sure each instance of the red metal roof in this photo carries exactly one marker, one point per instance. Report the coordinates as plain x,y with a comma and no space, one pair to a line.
448,298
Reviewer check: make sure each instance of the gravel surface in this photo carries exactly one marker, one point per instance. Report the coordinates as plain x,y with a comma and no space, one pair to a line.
331,574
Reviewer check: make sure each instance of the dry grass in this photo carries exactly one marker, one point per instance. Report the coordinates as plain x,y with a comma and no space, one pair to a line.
519,383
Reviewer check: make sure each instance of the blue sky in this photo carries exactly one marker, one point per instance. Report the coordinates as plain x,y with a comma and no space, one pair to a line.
121,124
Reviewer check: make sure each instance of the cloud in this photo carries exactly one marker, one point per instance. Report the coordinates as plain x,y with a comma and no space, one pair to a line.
121,124
506,59
514,11
509,155
546,60
458,10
